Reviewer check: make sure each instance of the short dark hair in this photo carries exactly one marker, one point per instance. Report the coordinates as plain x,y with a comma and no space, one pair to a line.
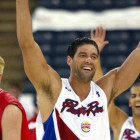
136,85
79,42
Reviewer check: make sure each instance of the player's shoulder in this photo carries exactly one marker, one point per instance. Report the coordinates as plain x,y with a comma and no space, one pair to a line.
11,118
12,112
7,97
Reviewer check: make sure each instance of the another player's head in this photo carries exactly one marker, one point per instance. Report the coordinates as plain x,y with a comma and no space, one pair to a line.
134,101
82,57
15,89
2,63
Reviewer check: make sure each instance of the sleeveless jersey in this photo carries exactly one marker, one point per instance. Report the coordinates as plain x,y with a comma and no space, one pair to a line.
7,99
73,119
128,131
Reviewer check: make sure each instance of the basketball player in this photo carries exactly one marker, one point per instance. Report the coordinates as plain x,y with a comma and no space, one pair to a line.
74,108
13,122
124,127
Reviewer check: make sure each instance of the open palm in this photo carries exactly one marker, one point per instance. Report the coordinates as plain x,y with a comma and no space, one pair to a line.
99,37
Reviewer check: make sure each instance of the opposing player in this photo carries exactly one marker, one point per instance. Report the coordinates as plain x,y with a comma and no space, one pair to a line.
13,122
74,108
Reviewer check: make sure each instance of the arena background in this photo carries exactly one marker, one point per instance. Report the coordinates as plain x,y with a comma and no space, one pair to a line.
58,22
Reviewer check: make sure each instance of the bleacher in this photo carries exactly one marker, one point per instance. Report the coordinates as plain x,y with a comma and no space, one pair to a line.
96,5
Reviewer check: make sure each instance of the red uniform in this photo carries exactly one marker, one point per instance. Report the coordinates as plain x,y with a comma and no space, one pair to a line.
6,99
32,127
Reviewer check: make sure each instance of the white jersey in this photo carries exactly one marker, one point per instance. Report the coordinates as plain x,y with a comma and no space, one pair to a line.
73,119
128,131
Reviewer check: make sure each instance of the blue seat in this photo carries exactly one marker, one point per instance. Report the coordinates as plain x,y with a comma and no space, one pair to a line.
66,37
74,4
87,4
115,60
29,88
99,5
50,3
123,98
118,36
63,72
46,49
84,34
42,37
136,36
126,3
60,62
81,3
61,49
117,48
69,3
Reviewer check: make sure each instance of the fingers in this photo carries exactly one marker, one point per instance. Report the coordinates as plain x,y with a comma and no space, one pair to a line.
103,45
97,32
106,42
92,34
100,32
103,33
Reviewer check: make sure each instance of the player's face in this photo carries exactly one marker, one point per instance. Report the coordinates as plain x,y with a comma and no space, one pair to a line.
84,63
134,101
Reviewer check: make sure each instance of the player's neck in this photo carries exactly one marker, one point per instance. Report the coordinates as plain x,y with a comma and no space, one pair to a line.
80,88
136,121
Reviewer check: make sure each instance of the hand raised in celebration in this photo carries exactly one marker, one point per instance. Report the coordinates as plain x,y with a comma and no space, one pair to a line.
99,37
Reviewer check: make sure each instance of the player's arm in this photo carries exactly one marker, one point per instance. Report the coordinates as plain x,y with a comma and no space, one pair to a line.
118,80
38,71
99,38
116,119
11,123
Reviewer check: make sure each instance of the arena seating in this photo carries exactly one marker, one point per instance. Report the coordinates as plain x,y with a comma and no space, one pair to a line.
96,5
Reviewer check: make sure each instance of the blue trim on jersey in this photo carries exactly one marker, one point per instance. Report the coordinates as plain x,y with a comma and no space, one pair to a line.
49,129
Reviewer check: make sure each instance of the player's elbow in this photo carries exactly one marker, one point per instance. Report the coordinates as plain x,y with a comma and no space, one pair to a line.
26,44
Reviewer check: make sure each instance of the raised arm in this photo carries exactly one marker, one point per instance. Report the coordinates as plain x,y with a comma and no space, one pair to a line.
99,38
38,71
116,119
128,72
118,80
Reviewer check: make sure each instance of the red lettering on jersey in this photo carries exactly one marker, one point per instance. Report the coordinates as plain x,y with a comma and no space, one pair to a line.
92,107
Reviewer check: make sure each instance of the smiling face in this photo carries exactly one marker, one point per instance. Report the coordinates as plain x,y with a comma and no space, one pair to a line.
83,64
134,101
